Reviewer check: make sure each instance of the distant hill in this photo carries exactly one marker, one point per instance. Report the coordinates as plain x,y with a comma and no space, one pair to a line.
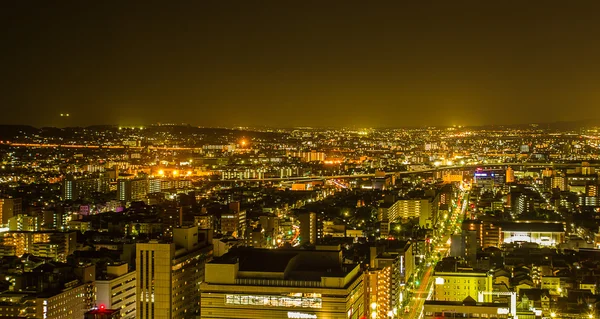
8,132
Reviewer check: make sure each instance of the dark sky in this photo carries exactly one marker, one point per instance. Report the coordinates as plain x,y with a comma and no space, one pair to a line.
290,63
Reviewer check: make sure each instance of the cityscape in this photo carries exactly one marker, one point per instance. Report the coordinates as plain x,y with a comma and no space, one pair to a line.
250,160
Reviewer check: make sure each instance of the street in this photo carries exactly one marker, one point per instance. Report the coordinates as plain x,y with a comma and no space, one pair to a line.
440,244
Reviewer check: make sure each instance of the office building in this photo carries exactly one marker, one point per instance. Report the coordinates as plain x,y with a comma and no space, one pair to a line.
292,284
169,274
116,290
9,207
69,303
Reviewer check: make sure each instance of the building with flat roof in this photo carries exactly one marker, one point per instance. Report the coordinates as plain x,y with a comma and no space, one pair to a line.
452,282
282,283
547,233
467,308
116,290
103,313
169,273
9,207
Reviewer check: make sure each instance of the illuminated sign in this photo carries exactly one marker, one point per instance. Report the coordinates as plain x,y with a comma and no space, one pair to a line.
301,315
439,281
503,311
274,301
481,174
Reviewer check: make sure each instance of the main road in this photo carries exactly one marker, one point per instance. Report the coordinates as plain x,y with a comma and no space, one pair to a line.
424,288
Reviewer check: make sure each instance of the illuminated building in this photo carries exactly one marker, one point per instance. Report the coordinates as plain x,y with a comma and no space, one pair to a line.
129,190
103,313
73,188
70,303
243,174
312,156
455,284
406,209
491,233
559,182
510,175
168,275
310,228
154,185
53,244
488,179
542,233
116,290
23,223
385,282
205,221
9,207
292,284
465,309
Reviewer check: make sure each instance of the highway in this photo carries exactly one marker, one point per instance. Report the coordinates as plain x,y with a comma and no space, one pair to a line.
398,173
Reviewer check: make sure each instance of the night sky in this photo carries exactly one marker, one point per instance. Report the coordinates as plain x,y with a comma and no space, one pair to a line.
299,63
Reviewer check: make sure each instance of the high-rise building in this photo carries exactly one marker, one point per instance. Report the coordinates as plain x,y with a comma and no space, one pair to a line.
408,208
282,283
169,274
309,228
129,190
154,185
510,175
74,188
9,207
116,290
559,182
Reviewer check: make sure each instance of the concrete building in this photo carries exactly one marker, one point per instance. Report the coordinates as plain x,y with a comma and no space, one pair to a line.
310,230
73,188
129,190
452,283
168,275
9,207
103,313
116,290
69,303
464,309
406,209
23,222
292,284
53,244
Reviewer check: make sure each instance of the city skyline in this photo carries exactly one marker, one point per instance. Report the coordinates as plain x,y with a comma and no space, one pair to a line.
310,64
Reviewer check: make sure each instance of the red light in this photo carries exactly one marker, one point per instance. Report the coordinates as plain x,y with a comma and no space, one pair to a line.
102,307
